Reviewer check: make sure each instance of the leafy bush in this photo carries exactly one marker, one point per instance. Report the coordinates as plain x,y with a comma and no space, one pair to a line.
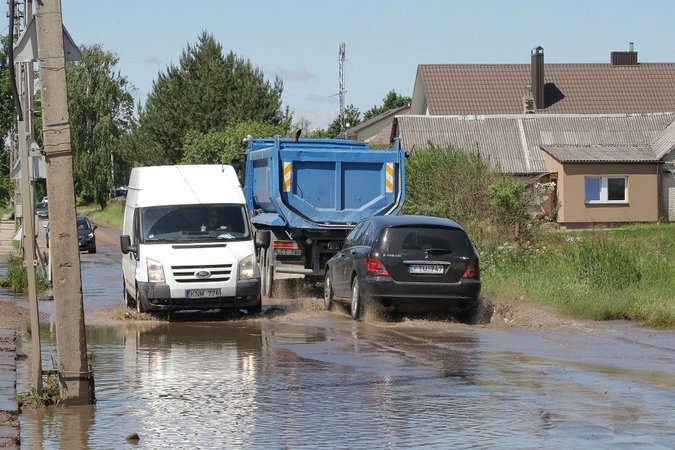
447,183
17,278
452,183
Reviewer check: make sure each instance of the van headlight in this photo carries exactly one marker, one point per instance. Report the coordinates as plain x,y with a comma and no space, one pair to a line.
155,271
246,268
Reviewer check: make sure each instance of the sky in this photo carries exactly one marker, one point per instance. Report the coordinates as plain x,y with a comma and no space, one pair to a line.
385,40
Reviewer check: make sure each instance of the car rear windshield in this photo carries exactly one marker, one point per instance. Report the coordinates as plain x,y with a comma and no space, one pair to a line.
405,239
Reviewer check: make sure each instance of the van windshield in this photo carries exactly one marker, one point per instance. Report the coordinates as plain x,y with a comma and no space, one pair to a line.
189,223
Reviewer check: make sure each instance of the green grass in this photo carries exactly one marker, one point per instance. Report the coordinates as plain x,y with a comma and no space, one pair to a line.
626,273
113,214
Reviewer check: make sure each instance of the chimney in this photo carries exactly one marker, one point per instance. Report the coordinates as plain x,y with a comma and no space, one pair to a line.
538,77
628,58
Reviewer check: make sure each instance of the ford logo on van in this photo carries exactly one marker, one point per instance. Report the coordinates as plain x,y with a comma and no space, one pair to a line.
203,274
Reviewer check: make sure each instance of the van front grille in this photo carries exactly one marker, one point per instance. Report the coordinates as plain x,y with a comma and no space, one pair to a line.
212,274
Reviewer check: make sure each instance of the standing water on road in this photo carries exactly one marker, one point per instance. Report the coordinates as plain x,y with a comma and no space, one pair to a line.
302,378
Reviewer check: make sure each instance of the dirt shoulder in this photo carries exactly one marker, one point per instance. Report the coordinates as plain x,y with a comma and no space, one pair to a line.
12,315
518,313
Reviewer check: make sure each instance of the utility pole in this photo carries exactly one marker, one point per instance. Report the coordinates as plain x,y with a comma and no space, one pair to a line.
341,58
24,84
76,379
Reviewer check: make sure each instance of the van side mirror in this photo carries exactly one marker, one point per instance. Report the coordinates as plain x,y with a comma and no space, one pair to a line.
125,245
262,238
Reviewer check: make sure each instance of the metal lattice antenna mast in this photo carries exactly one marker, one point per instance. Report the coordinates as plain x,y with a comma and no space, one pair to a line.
342,88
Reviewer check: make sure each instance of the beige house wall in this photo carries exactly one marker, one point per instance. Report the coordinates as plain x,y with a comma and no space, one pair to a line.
367,134
643,193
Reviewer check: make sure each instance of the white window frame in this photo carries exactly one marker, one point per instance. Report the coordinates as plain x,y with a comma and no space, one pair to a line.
604,191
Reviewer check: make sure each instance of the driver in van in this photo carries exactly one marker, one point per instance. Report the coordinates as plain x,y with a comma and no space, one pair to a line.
213,222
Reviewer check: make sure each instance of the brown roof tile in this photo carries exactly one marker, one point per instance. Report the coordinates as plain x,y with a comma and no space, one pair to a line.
462,89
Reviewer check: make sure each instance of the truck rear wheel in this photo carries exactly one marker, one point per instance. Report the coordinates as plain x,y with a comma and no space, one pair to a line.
267,273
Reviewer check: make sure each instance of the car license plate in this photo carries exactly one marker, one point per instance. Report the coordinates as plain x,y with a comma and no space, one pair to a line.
288,252
432,269
203,293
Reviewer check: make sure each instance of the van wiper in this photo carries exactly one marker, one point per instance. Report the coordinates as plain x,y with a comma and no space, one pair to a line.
438,250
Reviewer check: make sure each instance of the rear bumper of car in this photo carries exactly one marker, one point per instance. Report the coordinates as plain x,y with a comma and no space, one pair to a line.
453,296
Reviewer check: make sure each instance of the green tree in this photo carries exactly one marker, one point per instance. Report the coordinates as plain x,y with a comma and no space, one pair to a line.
7,121
221,147
206,92
100,106
391,101
352,118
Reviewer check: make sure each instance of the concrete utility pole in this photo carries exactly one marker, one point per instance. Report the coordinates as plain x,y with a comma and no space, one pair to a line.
24,85
77,381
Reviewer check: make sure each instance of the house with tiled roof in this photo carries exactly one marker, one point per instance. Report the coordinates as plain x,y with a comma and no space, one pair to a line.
622,86
602,132
376,130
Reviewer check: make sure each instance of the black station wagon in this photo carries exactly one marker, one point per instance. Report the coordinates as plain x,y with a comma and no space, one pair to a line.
405,263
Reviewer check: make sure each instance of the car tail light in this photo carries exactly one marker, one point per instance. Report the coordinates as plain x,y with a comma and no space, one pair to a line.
473,271
375,266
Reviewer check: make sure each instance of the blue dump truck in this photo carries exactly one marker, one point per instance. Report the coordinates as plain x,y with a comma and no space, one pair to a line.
304,193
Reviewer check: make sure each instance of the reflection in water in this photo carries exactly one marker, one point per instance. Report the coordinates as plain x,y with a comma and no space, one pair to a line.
248,384
264,384
195,382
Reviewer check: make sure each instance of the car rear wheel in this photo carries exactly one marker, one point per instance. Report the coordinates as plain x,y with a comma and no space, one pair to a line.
357,300
470,316
327,292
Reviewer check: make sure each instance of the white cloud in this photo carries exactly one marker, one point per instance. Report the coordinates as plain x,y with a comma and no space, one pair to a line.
294,76
317,118
154,61
314,98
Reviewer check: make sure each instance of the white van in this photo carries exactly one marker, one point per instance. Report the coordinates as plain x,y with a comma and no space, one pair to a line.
187,242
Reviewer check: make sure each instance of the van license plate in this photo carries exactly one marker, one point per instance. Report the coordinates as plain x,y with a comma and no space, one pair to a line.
433,269
203,293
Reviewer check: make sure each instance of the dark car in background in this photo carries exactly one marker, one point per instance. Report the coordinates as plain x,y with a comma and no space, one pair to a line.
86,239
42,210
85,234
406,263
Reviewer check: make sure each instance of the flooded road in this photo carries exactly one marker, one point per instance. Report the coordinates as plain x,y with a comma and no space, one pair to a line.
298,377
